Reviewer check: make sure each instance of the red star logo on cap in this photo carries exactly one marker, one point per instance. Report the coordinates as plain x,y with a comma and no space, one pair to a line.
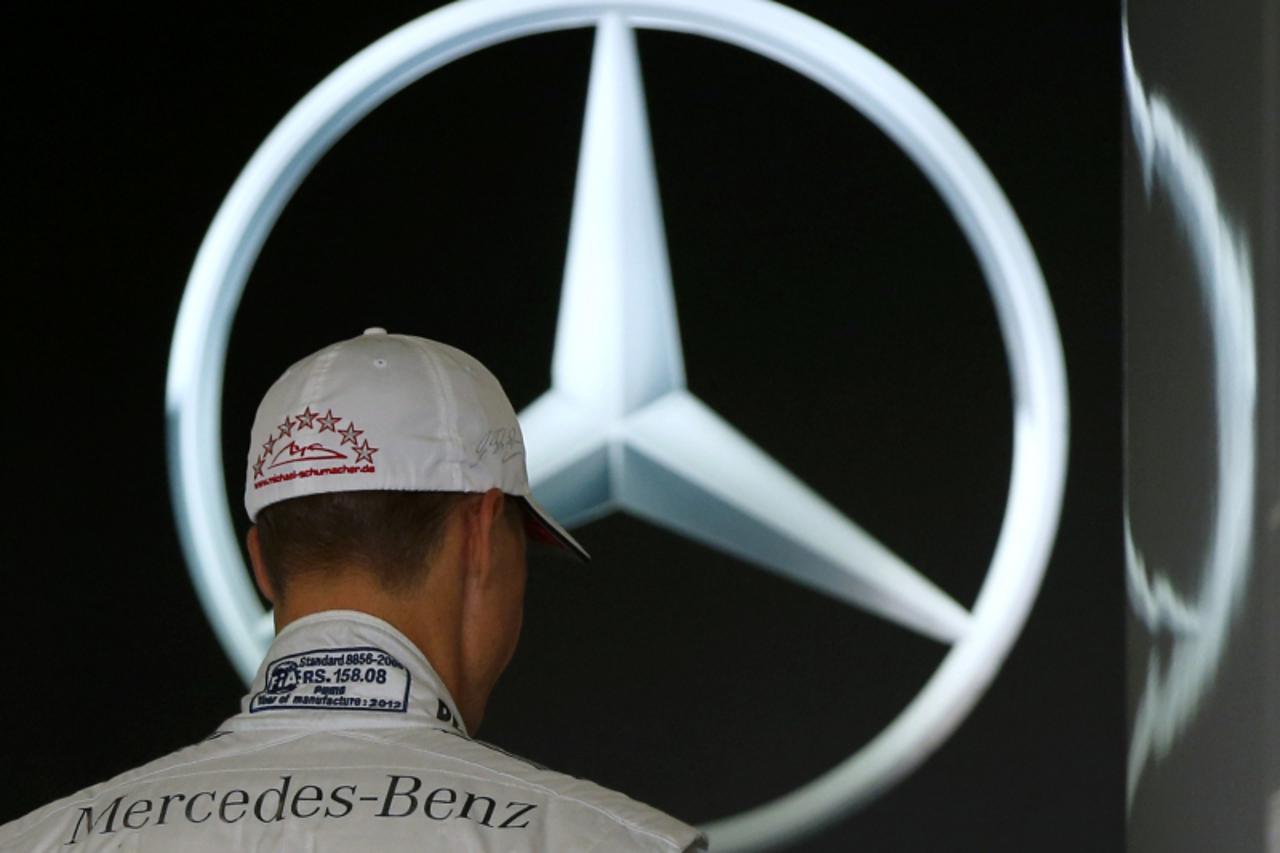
306,419
286,428
364,453
350,434
328,422
270,445
257,467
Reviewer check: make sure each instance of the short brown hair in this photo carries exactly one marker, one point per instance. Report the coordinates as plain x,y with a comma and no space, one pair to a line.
390,534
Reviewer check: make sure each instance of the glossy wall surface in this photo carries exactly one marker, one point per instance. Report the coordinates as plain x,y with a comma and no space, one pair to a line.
1202,382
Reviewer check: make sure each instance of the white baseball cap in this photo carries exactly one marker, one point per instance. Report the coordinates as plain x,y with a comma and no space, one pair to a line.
395,413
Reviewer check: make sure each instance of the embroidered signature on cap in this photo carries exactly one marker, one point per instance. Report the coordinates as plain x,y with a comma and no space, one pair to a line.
505,441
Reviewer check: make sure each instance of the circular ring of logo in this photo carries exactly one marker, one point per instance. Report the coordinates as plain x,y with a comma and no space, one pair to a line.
825,56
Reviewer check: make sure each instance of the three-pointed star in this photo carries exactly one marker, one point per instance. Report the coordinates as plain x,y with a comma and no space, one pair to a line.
618,429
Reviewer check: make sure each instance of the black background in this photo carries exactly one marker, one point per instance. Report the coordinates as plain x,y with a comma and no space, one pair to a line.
829,308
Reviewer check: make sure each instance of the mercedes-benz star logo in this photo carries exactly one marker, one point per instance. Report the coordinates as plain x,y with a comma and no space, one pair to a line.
618,430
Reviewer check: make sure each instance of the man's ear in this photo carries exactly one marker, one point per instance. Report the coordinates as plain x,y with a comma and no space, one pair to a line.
484,518
260,575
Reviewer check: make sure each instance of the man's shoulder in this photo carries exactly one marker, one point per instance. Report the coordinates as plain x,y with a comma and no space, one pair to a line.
37,829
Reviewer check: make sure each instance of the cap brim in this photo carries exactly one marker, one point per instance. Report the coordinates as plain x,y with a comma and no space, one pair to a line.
543,528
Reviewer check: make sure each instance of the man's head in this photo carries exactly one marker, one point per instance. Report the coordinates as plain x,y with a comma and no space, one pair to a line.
387,474
394,413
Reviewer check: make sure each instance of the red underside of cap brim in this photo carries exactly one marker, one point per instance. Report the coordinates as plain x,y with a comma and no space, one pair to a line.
542,529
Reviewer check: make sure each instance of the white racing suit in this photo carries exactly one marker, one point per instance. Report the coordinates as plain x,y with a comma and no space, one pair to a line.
347,741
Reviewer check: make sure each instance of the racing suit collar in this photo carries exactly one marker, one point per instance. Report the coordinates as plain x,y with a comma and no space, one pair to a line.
340,668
